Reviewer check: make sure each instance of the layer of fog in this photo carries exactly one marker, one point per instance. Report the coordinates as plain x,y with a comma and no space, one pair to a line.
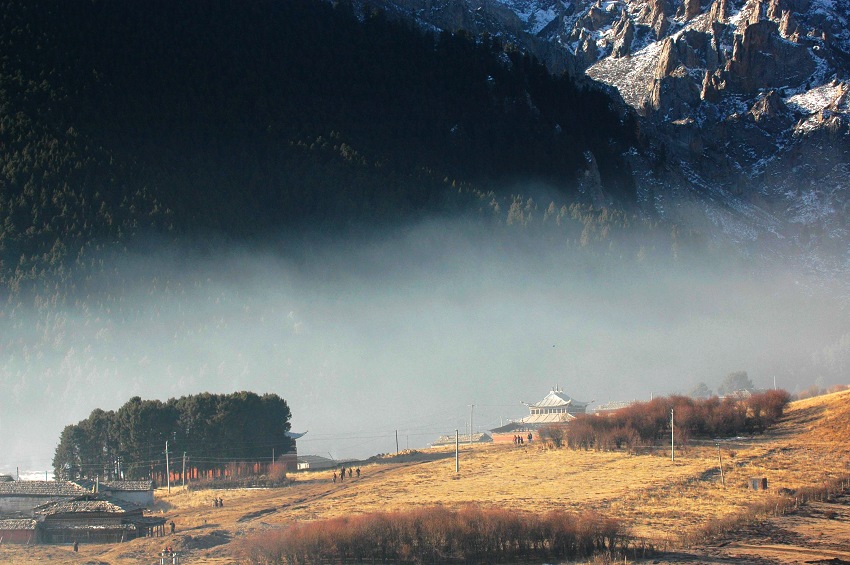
404,333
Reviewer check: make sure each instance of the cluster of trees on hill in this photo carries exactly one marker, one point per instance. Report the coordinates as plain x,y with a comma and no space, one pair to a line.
735,381
213,429
647,423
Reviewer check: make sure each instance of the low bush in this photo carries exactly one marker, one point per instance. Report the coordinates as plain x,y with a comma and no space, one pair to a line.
439,535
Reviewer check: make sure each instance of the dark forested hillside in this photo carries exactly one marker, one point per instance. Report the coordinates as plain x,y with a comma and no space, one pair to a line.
119,118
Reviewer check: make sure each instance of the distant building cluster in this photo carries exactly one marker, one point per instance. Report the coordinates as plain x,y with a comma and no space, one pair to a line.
71,512
557,407
613,406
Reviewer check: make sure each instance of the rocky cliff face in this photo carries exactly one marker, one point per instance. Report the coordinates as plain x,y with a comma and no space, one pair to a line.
745,102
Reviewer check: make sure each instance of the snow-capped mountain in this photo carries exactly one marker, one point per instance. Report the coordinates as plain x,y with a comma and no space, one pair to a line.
744,102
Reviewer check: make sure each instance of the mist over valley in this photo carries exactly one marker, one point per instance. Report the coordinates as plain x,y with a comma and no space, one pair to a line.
403,329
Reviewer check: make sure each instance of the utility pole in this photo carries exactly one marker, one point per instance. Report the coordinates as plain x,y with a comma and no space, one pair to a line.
720,458
672,441
396,442
183,474
167,468
457,449
471,412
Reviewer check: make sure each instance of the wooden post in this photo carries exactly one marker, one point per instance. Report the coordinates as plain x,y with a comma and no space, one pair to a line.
720,458
167,468
672,441
471,413
457,447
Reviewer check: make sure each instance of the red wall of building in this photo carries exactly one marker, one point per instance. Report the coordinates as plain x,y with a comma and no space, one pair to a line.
18,536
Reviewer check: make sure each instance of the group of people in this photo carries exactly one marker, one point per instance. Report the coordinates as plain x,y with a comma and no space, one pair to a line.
218,502
168,555
342,471
519,440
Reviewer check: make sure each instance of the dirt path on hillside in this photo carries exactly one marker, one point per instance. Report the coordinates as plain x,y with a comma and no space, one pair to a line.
322,491
817,533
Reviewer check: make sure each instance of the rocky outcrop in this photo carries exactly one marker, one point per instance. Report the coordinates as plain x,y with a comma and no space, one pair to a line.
729,87
624,36
690,10
771,113
788,26
655,14
668,60
713,85
587,51
761,58
719,12
596,18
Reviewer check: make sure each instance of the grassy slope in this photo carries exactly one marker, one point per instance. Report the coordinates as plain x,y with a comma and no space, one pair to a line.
658,498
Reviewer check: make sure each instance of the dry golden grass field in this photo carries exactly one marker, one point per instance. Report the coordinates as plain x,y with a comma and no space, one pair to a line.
658,499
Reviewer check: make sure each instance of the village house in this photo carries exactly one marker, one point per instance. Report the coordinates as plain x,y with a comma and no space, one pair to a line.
612,406
18,498
63,512
478,437
314,462
290,460
556,408
18,530
92,519
139,493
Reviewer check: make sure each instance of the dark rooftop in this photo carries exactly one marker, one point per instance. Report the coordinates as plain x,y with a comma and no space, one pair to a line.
128,485
17,524
85,504
40,488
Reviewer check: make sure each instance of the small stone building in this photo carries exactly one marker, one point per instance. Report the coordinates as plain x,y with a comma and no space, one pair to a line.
18,498
477,437
94,520
139,493
313,462
18,530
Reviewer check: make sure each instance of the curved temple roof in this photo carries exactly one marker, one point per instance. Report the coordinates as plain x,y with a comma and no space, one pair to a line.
556,398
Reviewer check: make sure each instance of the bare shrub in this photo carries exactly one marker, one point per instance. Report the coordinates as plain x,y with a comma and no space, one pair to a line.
648,423
277,472
554,434
437,534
